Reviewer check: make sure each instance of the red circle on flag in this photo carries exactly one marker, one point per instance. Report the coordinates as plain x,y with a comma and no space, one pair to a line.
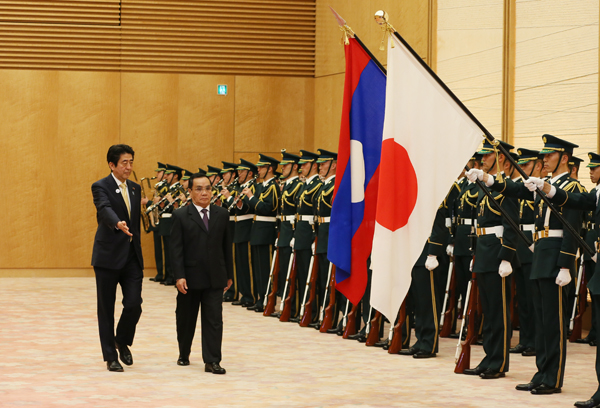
398,186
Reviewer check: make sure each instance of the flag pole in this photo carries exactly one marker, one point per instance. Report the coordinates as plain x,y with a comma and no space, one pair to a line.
381,17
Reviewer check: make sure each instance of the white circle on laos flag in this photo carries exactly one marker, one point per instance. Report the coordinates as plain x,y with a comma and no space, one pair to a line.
357,171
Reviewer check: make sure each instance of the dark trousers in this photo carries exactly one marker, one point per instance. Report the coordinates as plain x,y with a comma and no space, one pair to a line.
596,314
426,309
494,293
130,278
302,266
210,304
285,254
158,255
232,292
244,274
168,269
589,273
525,299
322,298
462,277
261,267
550,332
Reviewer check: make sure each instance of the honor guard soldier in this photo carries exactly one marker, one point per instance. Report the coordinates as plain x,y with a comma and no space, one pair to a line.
264,200
214,175
161,189
553,263
494,255
531,163
291,187
226,196
244,216
173,175
304,234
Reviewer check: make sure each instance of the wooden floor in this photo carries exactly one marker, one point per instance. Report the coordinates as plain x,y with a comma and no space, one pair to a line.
50,356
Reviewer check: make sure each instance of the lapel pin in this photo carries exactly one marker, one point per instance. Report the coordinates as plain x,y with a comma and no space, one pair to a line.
118,191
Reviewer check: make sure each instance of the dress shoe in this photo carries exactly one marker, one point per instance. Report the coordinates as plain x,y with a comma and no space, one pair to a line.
253,307
168,282
259,309
335,330
381,343
362,339
409,352
587,404
545,390
491,374
474,371
236,303
246,304
423,354
295,320
585,340
227,298
593,343
528,352
183,361
526,387
315,325
519,348
114,366
356,336
157,278
214,368
125,354
453,335
387,346
276,315
479,342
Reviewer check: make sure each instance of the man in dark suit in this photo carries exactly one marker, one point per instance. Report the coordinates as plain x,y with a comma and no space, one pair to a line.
203,269
117,255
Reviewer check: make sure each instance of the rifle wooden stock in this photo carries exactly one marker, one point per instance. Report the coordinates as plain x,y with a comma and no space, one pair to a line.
464,359
580,304
350,328
330,309
286,311
396,343
450,296
306,317
373,336
271,299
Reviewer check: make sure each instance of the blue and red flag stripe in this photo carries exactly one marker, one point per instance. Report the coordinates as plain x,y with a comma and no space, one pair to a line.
353,223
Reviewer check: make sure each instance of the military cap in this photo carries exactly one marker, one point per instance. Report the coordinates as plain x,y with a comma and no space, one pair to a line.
476,156
213,171
161,167
174,169
514,155
246,165
202,171
527,155
553,144
287,158
326,155
594,159
228,166
575,161
264,160
307,157
488,148
186,174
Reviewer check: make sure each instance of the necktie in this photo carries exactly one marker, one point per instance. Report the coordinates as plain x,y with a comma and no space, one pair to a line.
125,198
205,217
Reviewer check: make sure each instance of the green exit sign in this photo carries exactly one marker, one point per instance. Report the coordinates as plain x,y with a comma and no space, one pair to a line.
222,89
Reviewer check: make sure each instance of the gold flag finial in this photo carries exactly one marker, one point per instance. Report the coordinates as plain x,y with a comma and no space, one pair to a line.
344,28
381,18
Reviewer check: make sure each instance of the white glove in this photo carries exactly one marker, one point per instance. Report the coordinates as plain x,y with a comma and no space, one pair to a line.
564,277
471,265
505,269
595,257
474,174
450,250
431,263
533,182
531,247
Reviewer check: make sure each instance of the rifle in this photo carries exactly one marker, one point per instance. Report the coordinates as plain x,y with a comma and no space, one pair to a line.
580,303
395,336
373,330
271,297
350,328
311,284
446,319
290,282
462,357
327,320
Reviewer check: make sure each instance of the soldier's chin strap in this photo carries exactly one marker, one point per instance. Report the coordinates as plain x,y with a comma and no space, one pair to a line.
559,160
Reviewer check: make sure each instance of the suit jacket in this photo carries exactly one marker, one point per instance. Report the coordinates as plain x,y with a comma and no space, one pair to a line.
111,245
203,258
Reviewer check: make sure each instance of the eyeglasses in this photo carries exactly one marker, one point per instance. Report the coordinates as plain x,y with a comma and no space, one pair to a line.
200,189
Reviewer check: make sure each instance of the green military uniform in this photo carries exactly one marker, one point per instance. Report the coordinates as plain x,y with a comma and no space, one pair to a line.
232,293
264,202
553,250
241,240
591,237
496,242
158,246
166,223
304,234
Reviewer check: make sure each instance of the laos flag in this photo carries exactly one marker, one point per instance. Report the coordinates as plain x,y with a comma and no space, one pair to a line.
357,177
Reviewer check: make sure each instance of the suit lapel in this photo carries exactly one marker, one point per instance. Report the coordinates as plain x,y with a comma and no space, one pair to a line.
116,190
212,220
193,212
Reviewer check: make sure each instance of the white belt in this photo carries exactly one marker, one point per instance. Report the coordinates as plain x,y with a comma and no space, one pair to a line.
290,218
166,215
468,221
448,222
498,230
244,217
548,234
323,220
528,227
265,219
232,218
309,218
